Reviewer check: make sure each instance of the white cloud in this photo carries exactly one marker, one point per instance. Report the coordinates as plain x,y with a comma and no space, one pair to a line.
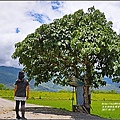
15,15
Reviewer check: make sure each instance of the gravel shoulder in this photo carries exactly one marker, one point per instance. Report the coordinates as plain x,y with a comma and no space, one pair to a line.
37,112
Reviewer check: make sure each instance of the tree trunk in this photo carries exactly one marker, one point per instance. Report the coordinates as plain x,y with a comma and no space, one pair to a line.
87,98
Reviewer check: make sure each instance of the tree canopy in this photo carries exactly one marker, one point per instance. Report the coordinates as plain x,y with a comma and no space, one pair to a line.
82,45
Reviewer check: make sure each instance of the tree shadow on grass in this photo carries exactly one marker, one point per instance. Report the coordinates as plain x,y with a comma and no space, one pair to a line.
56,111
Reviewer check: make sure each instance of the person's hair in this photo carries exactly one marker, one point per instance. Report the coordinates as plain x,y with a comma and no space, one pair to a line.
21,75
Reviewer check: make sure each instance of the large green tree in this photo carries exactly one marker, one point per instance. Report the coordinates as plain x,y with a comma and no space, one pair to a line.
81,45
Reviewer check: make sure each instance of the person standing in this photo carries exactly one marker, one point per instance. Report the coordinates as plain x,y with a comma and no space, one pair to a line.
21,94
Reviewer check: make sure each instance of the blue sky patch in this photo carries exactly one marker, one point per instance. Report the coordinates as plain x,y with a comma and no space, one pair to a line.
17,30
38,17
56,5
55,2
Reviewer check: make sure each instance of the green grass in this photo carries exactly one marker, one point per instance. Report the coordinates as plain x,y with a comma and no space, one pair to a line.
64,104
64,100
98,109
100,101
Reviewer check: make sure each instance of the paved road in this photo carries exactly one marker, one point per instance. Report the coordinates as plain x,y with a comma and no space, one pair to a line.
41,112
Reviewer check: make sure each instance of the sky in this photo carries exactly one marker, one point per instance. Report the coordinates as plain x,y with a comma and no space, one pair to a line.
20,18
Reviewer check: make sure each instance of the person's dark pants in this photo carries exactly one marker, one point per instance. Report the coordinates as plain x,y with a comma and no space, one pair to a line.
22,108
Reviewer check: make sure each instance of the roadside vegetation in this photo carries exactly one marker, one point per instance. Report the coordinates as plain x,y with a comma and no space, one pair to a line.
3,87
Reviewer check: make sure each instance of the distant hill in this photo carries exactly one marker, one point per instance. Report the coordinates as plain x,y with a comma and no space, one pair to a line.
110,86
8,75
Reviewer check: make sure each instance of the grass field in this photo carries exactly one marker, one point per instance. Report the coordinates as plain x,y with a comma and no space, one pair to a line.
104,105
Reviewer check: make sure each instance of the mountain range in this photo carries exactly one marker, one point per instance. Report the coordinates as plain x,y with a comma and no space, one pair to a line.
8,75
